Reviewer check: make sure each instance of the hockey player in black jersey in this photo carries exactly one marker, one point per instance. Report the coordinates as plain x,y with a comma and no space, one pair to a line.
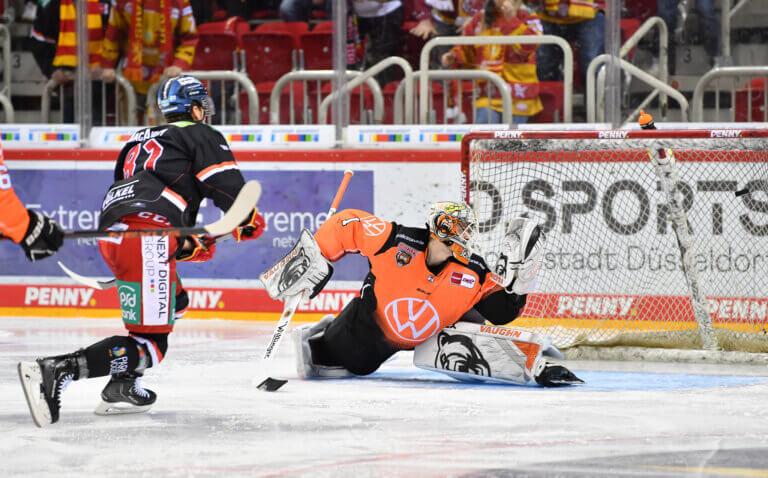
161,176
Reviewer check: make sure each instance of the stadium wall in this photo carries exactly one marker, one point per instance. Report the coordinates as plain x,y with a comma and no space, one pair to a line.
68,184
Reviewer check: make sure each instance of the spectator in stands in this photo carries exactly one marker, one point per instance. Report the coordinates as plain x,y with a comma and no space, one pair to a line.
300,10
444,18
709,28
516,64
54,45
379,23
582,23
154,38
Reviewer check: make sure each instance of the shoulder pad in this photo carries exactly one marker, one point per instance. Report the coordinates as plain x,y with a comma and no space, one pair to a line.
416,237
413,236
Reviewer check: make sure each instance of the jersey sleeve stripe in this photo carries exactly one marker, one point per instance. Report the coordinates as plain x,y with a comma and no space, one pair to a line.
217,168
174,198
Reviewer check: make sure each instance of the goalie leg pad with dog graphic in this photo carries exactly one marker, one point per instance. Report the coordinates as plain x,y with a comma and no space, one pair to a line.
473,352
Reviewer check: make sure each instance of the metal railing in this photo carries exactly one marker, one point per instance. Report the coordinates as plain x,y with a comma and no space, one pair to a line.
241,80
641,75
628,45
318,76
727,14
443,75
497,40
734,73
5,91
120,83
370,73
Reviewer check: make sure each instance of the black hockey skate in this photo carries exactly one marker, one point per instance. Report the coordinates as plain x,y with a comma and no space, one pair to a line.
44,381
124,394
556,376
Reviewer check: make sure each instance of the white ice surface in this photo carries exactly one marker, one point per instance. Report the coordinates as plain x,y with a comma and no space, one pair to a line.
210,420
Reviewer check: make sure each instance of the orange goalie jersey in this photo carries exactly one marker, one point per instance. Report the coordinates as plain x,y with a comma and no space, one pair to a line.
14,219
412,301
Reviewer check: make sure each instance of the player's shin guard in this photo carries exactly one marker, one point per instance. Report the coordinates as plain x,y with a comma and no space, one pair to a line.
307,364
472,352
46,379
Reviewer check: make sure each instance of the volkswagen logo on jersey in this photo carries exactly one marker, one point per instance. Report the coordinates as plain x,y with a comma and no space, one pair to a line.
413,320
373,226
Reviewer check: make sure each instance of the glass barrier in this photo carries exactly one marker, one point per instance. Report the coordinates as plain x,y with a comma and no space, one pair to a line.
310,62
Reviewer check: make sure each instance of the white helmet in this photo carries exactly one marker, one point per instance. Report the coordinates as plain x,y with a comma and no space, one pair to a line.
455,224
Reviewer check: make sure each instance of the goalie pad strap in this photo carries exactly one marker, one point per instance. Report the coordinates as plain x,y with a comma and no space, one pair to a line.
473,352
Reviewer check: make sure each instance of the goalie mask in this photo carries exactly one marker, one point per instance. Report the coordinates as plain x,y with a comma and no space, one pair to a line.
455,224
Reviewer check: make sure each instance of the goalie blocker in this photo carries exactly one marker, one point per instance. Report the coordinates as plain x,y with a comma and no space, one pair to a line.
474,352
303,269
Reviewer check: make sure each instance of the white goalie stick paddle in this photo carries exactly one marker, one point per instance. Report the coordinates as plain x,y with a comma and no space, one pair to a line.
267,383
242,206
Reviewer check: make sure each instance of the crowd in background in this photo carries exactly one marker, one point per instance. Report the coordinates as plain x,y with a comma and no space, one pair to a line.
150,38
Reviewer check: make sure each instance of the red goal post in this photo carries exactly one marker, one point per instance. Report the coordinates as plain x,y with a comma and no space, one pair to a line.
655,238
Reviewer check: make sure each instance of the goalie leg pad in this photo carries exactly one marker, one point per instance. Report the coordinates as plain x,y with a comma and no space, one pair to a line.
473,352
305,365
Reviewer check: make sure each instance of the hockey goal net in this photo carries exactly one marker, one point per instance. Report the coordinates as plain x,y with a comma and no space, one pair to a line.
654,238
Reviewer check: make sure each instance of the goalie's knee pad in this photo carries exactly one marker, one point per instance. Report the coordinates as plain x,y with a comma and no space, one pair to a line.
305,365
472,352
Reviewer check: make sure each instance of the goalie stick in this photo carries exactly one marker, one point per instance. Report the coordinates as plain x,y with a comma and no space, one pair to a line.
244,202
269,384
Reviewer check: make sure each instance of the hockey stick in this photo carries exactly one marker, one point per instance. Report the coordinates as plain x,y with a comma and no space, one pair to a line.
108,284
244,203
270,384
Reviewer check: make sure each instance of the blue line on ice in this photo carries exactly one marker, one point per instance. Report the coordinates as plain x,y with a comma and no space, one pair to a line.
595,381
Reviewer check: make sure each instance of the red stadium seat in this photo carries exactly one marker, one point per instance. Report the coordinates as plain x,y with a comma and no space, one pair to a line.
551,94
317,47
215,51
757,104
268,56
285,105
324,27
293,28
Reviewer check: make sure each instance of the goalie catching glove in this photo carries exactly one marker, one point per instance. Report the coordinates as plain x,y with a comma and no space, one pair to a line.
251,228
520,256
203,248
303,269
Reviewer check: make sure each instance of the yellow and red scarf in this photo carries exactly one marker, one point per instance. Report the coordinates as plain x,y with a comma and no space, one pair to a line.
66,49
133,68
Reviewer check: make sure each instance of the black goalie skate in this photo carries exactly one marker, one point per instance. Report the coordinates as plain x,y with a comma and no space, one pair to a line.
124,394
556,376
44,381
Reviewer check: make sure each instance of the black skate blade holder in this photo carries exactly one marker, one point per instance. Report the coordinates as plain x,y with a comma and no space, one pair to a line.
271,384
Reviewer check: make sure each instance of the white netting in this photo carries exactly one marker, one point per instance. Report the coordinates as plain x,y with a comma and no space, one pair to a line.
612,271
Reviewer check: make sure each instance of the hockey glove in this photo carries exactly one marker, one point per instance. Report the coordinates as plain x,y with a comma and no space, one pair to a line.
203,248
520,257
251,228
43,238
